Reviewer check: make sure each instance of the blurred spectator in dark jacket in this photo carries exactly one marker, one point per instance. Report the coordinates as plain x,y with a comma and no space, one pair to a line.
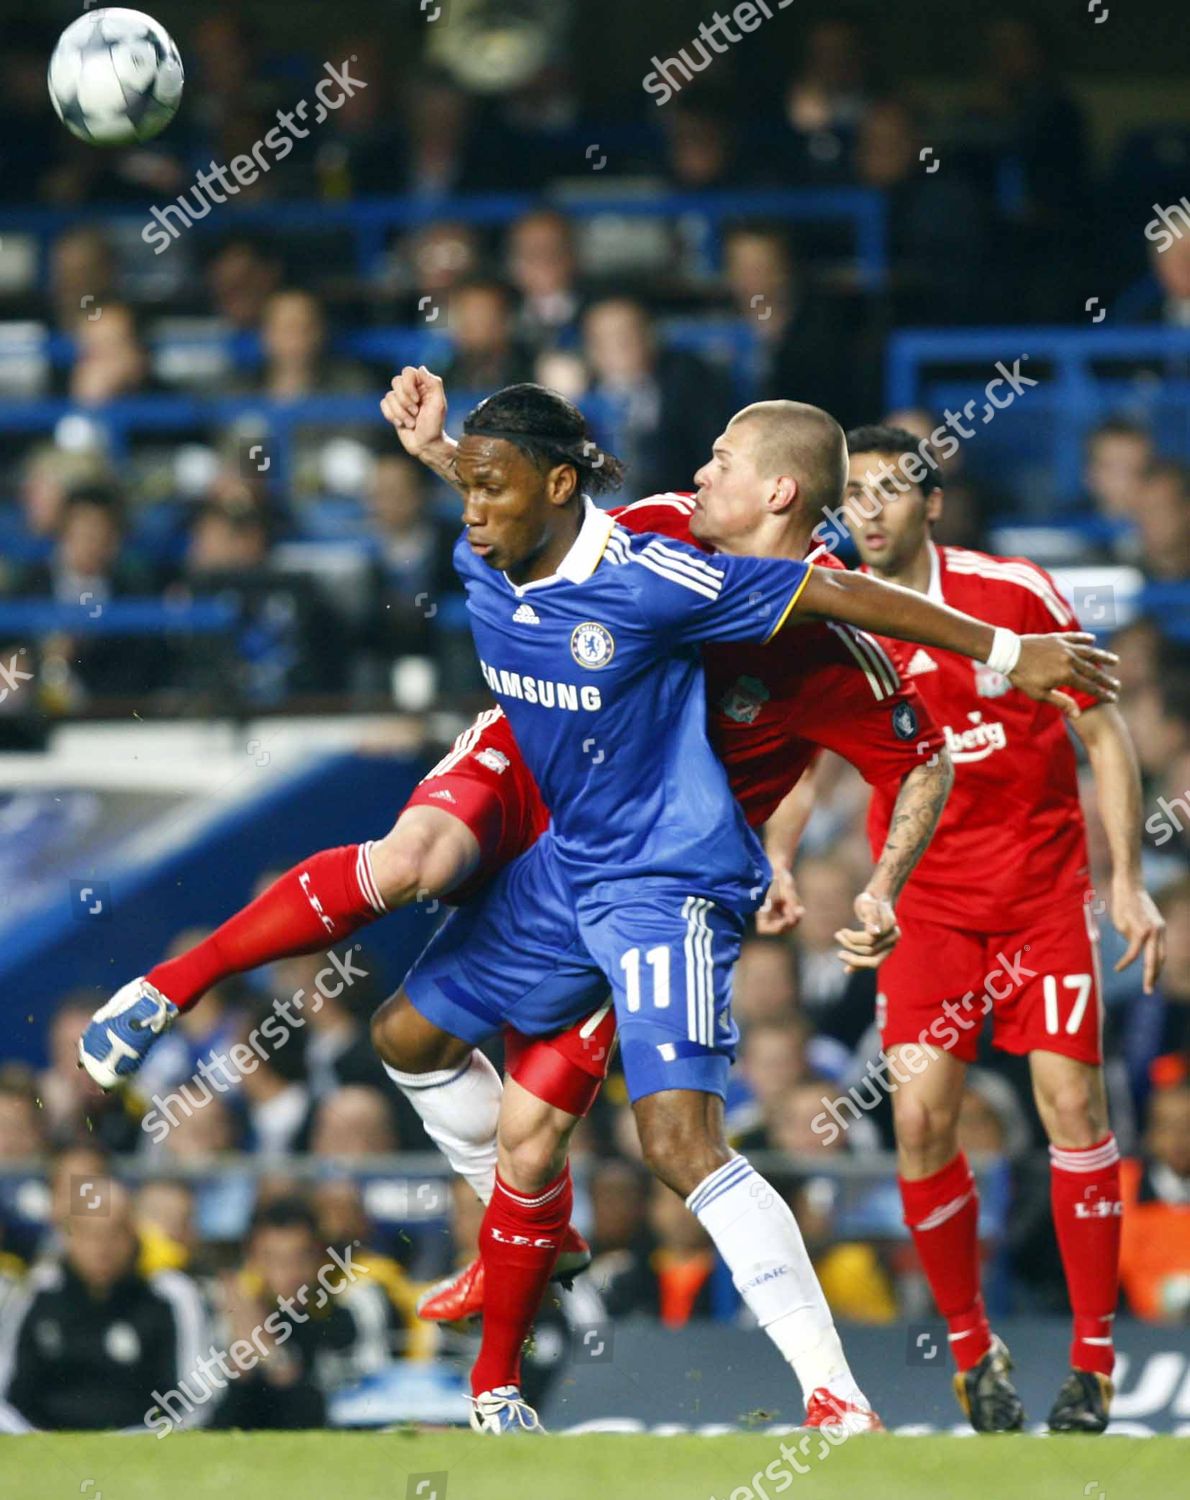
772,1061
427,265
82,276
240,278
940,243
1155,1250
111,360
1163,522
412,572
764,985
1036,128
1117,457
414,546
671,405
355,1119
487,353
807,348
669,1275
1164,295
702,148
313,1320
286,639
48,476
543,267
342,1221
293,341
824,100
72,1105
88,569
439,126
94,1343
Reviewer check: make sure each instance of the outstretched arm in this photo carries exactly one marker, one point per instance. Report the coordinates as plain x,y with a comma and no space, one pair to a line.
1117,787
416,408
782,909
1037,664
915,815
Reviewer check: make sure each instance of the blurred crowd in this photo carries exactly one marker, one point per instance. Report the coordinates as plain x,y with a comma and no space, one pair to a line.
328,552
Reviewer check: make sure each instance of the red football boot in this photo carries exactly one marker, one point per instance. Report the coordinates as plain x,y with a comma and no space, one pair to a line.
825,1410
458,1297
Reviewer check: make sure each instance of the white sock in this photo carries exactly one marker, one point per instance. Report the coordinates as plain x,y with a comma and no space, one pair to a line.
460,1108
756,1234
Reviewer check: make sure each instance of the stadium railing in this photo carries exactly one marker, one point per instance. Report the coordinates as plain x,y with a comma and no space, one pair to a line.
1033,443
371,221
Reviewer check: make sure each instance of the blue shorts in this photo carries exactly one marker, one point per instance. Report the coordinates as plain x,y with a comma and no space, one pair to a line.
530,953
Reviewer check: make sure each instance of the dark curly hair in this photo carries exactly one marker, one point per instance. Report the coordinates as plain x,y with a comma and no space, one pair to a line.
548,430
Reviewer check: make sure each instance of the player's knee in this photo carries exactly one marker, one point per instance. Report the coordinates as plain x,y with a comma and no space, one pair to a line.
402,866
1073,1110
531,1161
923,1129
406,1041
679,1156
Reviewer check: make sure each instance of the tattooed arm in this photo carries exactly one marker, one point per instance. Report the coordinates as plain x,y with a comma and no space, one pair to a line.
915,815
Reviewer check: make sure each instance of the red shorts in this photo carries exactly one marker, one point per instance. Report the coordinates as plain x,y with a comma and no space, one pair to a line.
483,782
566,1070
1040,983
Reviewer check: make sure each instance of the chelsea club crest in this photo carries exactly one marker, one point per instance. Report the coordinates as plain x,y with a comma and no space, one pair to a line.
592,645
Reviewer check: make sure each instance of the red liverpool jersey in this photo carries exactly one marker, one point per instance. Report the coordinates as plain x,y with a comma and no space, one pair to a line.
1011,839
772,707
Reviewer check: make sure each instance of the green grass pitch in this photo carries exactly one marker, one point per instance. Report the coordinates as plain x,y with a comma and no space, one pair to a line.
465,1466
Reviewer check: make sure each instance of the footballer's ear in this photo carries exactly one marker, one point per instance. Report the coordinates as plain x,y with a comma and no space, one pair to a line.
934,506
783,495
561,483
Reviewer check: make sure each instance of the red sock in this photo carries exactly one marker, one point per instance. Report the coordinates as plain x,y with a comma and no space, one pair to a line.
942,1213
1085,1194
314,905
519,1241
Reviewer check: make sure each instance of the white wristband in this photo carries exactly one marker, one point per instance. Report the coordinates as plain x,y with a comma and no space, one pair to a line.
1005,652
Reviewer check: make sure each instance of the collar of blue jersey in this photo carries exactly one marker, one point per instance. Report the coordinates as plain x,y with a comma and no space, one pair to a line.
583,558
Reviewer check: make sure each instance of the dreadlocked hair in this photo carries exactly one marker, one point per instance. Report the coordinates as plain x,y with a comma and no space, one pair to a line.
548,430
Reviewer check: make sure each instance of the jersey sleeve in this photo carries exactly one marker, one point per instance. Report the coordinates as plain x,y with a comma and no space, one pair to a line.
1042,609
884,737
668,515
688,597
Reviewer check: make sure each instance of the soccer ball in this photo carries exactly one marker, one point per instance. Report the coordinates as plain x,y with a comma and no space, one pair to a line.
115,77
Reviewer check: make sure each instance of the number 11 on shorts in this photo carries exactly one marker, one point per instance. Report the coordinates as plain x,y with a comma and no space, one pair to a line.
658,962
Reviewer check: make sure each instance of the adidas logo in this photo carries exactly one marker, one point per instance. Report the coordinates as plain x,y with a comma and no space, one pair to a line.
444,795
920,663
525,614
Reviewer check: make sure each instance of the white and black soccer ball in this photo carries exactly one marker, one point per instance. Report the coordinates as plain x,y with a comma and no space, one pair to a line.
115,77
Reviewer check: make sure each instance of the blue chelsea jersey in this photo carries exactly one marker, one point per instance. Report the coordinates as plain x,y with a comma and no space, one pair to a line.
599,671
